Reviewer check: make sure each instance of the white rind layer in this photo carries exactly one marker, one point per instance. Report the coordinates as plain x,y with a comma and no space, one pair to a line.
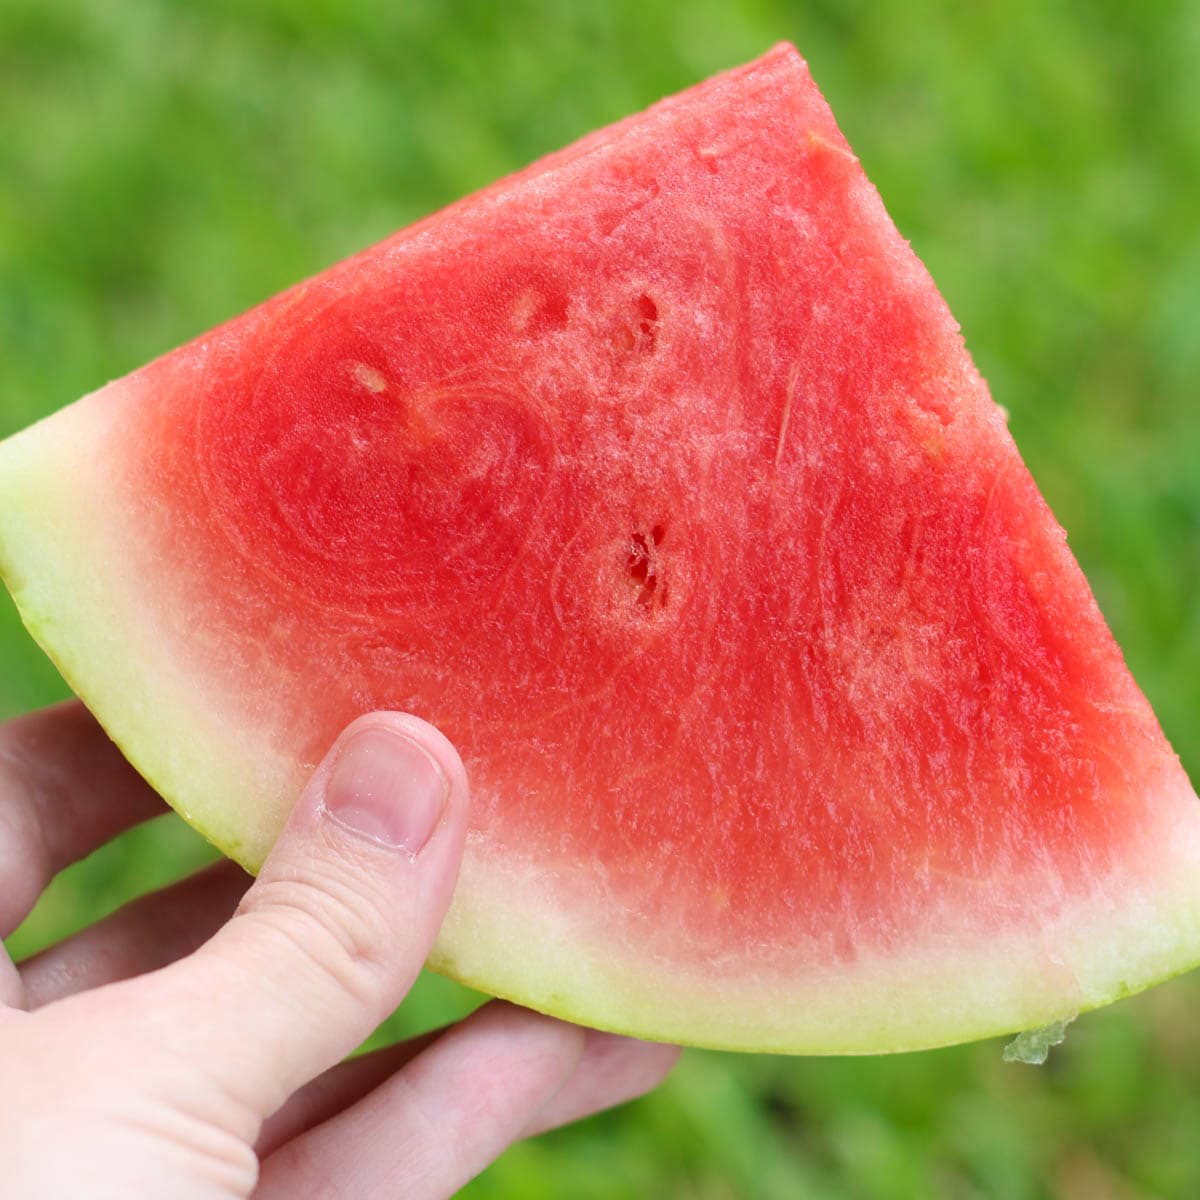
503,937
62,553
63,556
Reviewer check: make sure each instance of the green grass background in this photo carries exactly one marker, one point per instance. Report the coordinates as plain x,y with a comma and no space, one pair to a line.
165,165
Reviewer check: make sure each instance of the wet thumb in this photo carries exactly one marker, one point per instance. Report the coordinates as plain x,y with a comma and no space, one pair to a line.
335,929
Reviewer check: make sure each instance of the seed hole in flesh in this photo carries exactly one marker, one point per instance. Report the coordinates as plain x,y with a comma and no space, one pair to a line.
638,332
644,568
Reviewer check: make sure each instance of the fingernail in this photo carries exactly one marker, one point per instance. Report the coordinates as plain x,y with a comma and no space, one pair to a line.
386,787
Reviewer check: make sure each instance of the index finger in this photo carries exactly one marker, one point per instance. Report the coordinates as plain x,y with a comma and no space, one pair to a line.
65,789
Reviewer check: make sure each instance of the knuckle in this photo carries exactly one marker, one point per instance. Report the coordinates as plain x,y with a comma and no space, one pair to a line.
341,931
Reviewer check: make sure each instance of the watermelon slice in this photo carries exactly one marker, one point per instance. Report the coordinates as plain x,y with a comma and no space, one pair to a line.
658,477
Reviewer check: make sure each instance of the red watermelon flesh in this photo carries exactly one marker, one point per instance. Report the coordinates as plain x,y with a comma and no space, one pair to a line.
658,477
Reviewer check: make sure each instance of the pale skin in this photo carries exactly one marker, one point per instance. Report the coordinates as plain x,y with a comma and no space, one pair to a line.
191,1046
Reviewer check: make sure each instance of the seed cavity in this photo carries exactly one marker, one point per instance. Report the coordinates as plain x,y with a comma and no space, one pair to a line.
638,332
526,305
535,312
644,566
369,377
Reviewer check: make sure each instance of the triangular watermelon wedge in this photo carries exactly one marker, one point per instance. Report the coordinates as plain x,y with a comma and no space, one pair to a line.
658,477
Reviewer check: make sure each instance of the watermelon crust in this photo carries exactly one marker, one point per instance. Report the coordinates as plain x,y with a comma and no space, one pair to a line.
658,477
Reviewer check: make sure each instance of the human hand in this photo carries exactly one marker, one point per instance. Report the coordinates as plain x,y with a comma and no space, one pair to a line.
175,1050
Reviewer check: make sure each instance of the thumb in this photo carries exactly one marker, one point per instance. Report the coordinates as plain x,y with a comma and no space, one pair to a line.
339,922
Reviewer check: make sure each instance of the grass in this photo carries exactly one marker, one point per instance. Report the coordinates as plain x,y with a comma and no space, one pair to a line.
165,165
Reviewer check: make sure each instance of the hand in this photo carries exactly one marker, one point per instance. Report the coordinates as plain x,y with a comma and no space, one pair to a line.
177,1050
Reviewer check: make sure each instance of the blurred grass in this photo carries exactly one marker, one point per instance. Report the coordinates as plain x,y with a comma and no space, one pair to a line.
165,165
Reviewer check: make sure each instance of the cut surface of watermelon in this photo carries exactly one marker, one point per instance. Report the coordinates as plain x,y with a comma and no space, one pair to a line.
658,477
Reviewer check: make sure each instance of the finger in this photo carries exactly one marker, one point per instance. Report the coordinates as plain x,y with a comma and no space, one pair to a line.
441,1119
612,1070
12,991
337,1089
148,933
64,790
334,931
